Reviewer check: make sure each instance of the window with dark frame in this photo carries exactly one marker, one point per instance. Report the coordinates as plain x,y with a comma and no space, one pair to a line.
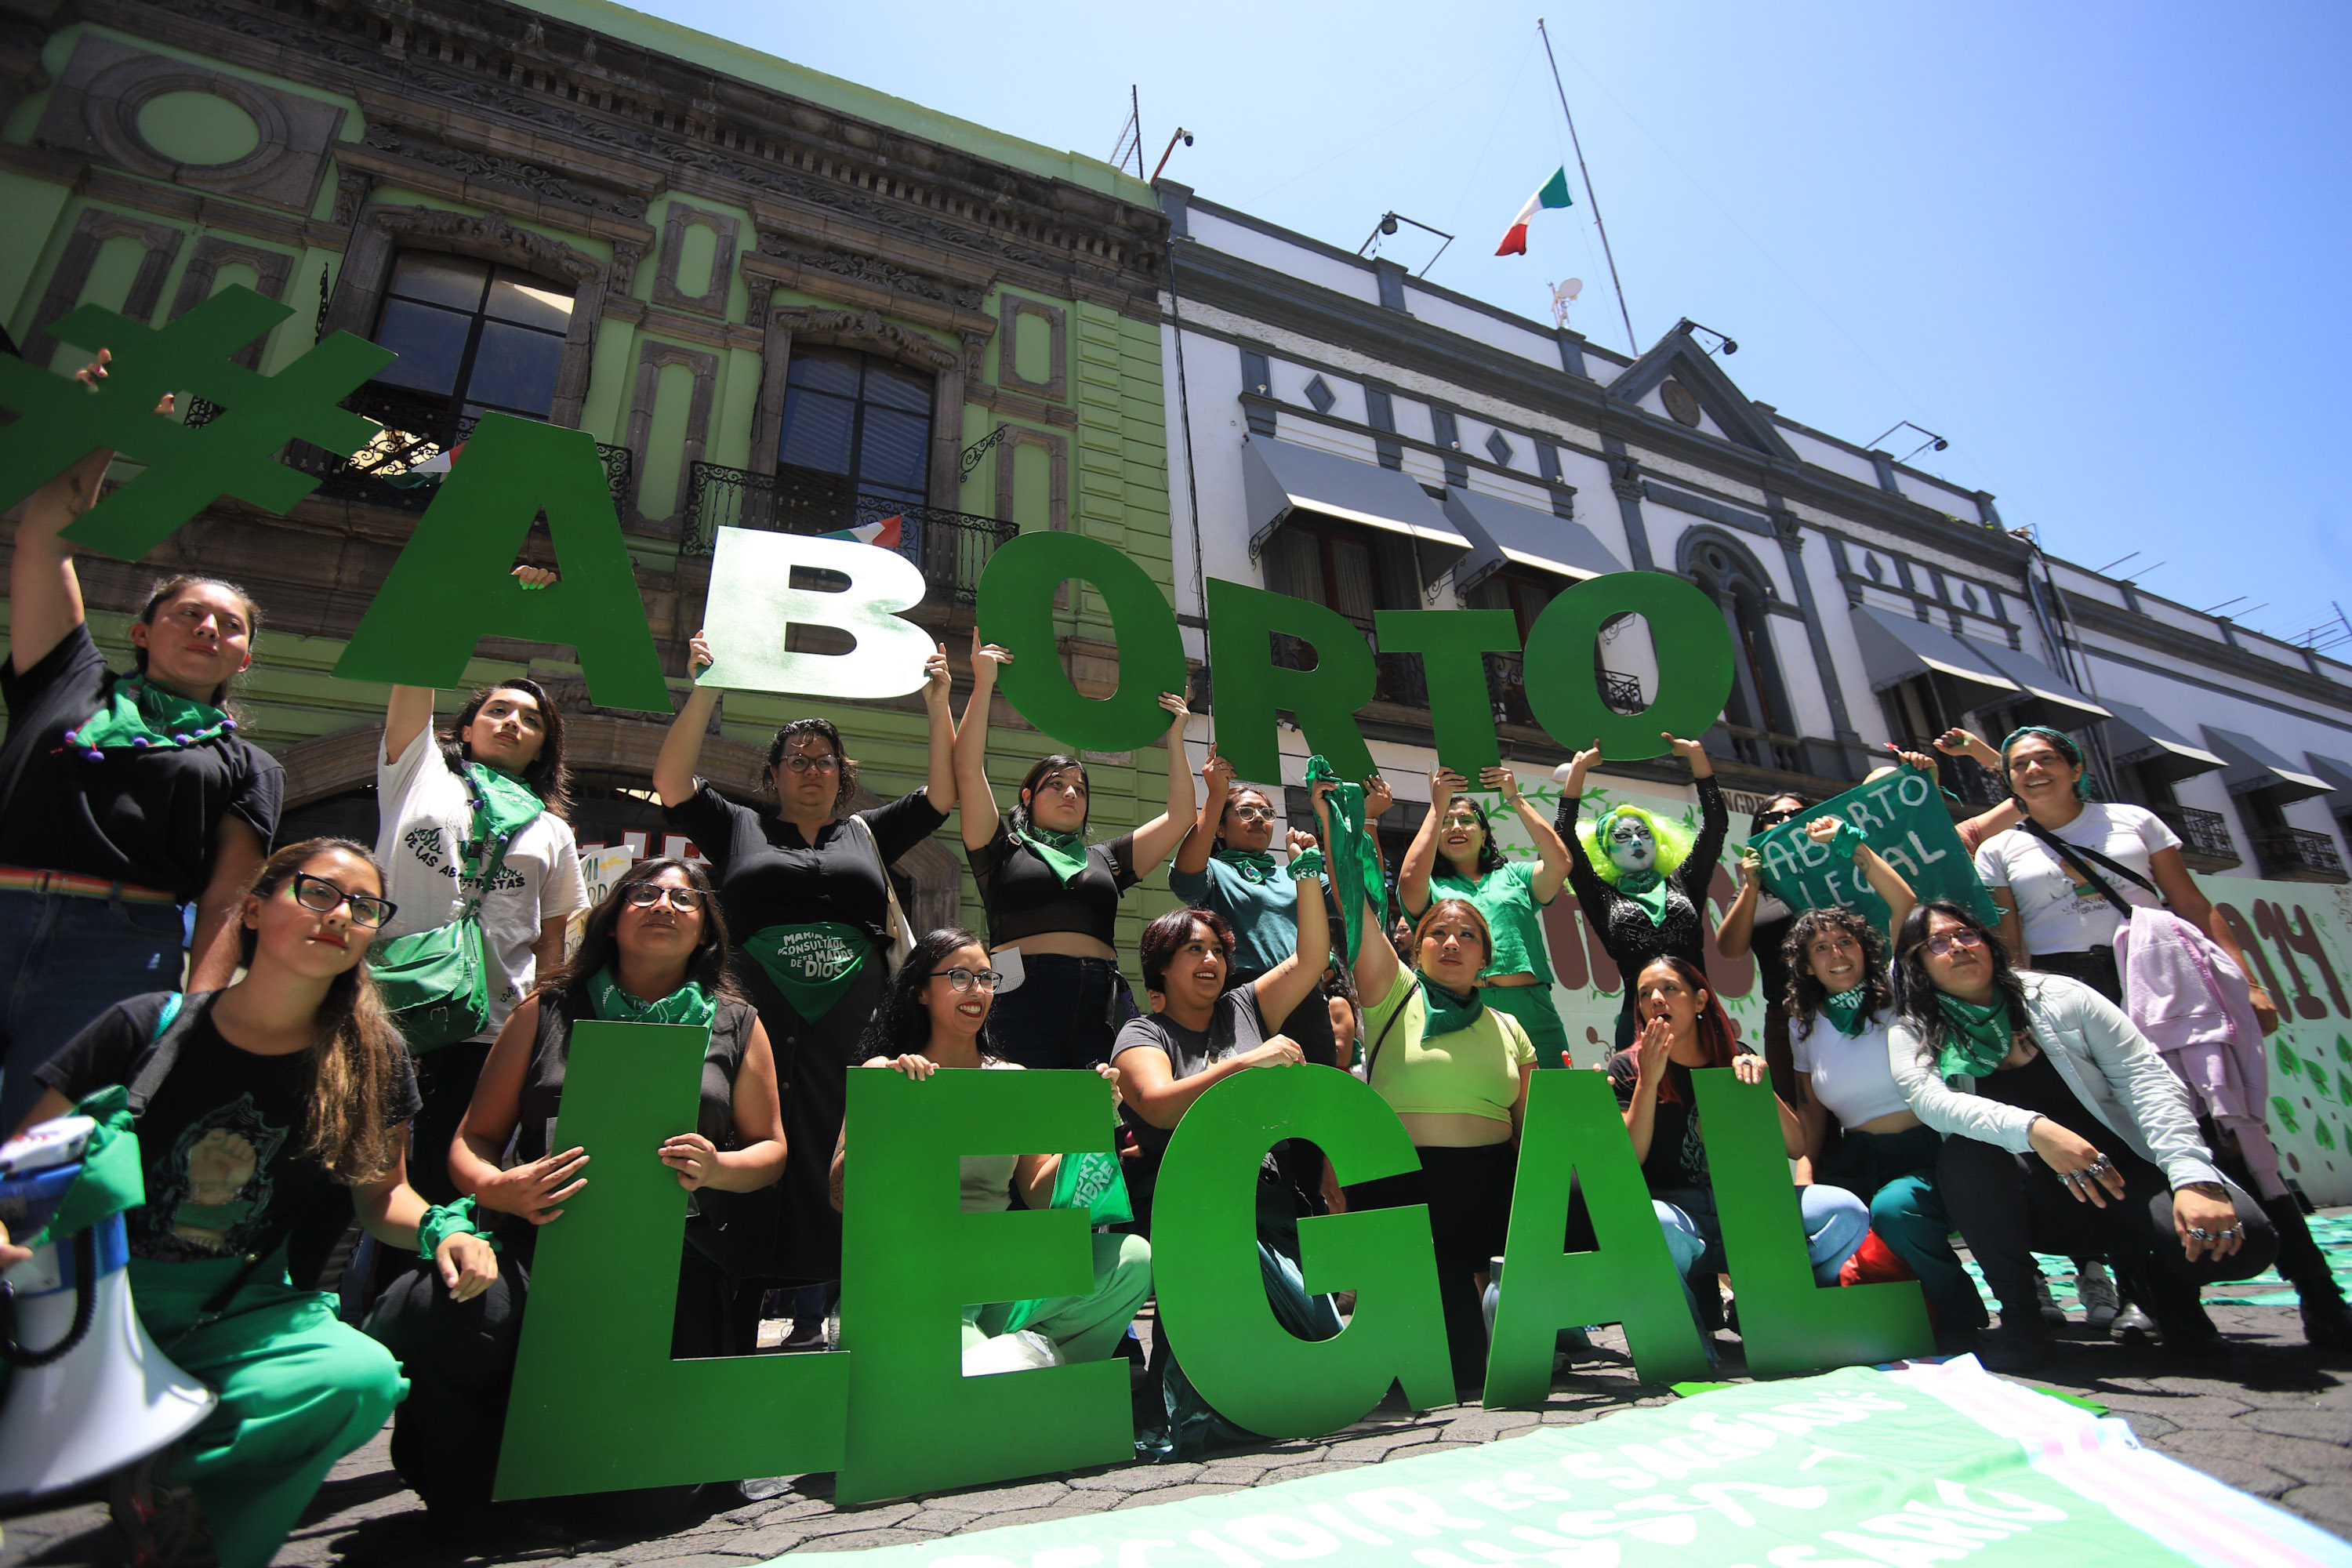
480,337
1357,572
859,418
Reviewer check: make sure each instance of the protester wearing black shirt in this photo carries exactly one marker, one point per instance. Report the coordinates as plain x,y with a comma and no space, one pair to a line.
121,794
286,1086
805,899
1052,899
1756,925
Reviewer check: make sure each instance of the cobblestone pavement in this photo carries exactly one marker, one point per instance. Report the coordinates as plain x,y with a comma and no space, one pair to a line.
2274,1419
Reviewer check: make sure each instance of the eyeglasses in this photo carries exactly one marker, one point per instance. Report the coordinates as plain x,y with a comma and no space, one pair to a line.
1941,946
645,894
1253,813
825,762
961,980
322,896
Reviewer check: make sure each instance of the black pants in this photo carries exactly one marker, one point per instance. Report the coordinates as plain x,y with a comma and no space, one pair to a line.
459,1359
2009,1206
445,1082
1468,1192
1066,1012
813,1061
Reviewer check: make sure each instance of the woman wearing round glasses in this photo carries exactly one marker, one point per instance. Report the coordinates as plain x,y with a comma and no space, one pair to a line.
935,1015
2065,1132
282,1107
1454,855
804,886
654,952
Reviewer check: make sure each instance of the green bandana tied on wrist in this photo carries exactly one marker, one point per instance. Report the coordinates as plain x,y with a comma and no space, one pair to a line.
1449,1014
1846,842
1355,861
142,716
443,1221
1306,863
1844,1010
1649,889
690,1004
1983,1037
1065,852
813,963
1250,865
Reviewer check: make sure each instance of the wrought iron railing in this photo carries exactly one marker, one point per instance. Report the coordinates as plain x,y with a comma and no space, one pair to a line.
2292,852
950,548
2204,835
1506,684
416,430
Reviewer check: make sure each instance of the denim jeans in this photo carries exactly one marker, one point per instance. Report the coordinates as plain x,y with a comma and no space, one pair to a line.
1835,1221
1064,1014
63,961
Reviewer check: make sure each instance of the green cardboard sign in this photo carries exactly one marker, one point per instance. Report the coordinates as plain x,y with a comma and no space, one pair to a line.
1787,1323
1251,687
1452,645
60,421
1902,816
1213,1296
1573,1129
753,604
1015,611
911,1260
1695,667
597,1404
453,584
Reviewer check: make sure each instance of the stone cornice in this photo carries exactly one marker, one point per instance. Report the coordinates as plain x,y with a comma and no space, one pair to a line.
2148,633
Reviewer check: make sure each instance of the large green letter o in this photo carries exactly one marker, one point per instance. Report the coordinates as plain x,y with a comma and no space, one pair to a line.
1695,672
1016,612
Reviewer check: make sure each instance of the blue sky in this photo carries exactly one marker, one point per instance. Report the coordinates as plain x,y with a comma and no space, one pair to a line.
2100,248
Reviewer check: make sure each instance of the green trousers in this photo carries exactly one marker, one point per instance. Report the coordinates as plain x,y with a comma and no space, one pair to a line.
1089,1327
299,1389
1532,1006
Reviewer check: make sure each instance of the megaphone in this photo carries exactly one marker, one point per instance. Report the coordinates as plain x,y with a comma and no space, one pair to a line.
89,1391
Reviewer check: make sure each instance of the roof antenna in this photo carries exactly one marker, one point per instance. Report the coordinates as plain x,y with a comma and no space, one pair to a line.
1631,342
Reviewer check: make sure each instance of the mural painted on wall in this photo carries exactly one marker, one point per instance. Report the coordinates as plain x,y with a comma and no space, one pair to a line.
2299,936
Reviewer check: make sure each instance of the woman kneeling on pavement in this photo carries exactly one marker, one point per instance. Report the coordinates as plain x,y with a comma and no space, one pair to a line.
2064,1132
1685,1028
935,1015
262,1106
655,952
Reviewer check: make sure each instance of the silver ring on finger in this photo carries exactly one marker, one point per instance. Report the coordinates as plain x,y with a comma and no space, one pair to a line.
2102,1165
2201,1233
2235,1233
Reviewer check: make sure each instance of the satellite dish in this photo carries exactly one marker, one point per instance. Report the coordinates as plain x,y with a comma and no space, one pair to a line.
1561,295
1572,288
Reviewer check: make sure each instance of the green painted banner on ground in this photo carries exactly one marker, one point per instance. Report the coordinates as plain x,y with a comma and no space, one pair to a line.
1902,816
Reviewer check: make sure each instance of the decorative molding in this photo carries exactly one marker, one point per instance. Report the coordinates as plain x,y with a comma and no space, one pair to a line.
723,229
653,356
871,270
270,267
1058,474
1010,308
494,169
867,330
92,231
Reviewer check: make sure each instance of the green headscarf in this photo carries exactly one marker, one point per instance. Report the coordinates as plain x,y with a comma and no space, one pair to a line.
1355,859
1982,1035
1844,1010
1065,852
1449,1014
140,715
2066,748
690,1004
1250,865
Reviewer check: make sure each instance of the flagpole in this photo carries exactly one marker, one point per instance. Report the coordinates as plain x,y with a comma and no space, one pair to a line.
1631,342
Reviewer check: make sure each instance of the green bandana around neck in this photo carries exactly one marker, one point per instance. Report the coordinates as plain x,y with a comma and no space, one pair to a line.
1649,890
1844,1010
1250,865
1065,852
142,716
1983,1033
505,805
1449,1014
690,1004
813,963
1355,859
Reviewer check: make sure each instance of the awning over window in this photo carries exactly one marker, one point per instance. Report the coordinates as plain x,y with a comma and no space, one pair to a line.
2050,698
2249,768
1504,532
2138,737
2337,776
1281,476
1897,648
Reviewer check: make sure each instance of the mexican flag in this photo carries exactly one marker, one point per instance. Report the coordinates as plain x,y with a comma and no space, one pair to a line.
1553,195
886,532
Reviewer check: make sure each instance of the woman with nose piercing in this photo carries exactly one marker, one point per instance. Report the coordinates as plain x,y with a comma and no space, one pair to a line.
122,795
1453,854
1050,898
1640,880
804,887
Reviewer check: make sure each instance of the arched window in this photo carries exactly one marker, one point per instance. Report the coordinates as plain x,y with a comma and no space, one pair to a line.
858,417
1757,710
474,335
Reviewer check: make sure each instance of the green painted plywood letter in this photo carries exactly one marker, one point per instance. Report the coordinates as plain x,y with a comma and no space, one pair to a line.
1695,672
1452,645
1016,612
1250,688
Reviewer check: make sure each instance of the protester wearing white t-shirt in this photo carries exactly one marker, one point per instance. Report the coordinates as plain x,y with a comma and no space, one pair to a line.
426,824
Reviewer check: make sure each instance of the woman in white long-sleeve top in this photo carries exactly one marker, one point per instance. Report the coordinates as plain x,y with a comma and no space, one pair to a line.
2064,1132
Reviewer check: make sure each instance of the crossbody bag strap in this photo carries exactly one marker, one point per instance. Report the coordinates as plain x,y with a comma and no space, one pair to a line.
172,1026
897,927
1372,1057
2067,855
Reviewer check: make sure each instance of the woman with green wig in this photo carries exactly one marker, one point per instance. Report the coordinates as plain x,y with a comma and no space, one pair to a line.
1641,878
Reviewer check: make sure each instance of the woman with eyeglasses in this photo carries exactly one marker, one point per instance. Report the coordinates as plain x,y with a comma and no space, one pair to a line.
1050,898
804,884
473,813
123,794
1641,879
1454,855
654,952
282,1106
2065,1132
936,1015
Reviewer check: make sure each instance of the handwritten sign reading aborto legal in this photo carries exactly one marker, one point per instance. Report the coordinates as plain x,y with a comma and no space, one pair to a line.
1902,816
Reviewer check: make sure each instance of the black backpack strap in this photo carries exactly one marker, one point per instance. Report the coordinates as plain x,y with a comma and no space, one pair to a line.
172,1026
1372,1057
2073,855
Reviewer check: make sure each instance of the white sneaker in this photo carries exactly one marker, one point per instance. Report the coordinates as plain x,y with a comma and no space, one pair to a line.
2051,1312
2101,1304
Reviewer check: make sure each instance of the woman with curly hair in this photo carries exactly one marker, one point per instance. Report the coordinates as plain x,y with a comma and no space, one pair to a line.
1454,856
1640,879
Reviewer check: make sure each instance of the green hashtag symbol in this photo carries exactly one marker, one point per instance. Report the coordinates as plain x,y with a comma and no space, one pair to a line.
60,421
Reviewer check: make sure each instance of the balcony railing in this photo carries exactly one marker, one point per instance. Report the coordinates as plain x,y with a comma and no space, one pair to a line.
2204,836
416,430
1758,748
950,548
1506,683
2291,854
